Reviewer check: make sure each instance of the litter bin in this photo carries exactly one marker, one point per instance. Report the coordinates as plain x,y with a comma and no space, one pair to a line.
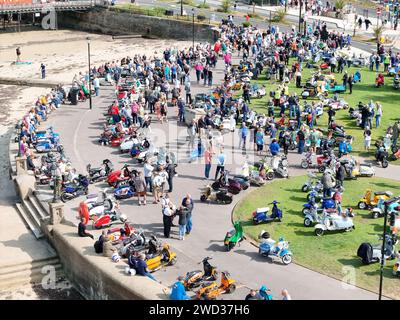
169,12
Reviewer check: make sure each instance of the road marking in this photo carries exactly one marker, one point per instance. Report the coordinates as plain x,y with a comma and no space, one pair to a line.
78,157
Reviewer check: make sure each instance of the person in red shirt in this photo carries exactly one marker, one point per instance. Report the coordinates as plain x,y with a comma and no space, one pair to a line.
115,113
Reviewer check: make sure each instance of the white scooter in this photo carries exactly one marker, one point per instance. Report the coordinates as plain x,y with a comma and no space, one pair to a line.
280,165
332,223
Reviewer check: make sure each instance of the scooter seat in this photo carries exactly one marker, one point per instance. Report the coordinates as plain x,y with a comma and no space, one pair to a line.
261,210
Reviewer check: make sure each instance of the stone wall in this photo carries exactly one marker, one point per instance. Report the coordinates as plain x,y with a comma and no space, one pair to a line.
95,276
117,23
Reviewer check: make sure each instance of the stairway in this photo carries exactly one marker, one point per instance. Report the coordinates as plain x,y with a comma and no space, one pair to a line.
21,274
32,213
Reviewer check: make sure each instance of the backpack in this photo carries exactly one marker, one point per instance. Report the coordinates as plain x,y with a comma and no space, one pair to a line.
98,246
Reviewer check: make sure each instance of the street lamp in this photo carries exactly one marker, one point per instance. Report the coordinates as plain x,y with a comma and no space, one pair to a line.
90,80
300,5
181,7
193,27
54,174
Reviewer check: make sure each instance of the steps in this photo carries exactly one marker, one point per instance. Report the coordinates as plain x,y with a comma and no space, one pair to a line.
33,213
20,274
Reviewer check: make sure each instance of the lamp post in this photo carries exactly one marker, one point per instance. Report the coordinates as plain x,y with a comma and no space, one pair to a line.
300,5
90,80
386,206
193,27
54,174
181,7
18,128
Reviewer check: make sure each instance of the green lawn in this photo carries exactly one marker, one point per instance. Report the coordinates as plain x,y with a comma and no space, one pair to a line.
364,91
335,252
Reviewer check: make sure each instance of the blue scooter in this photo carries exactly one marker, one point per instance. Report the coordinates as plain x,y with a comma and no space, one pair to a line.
261,214
73,190
125,191
327,203
268,248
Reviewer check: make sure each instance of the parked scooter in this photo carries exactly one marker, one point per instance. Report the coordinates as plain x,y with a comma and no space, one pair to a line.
280,165
269,248
311,183
210,291
224,182
261,214
100,173
369,253
220,196
75,189
194,279
332,223
233,237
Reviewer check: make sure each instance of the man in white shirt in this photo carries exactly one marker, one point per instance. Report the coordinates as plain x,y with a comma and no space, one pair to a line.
148,175
96,85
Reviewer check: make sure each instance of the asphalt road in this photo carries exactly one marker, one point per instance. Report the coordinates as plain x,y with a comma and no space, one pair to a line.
80,129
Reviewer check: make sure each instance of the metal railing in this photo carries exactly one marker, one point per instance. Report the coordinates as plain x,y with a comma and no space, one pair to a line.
56,5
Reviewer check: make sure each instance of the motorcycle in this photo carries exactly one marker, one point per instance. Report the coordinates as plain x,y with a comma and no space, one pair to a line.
312,160
195,278
261,214
233,237
269,248
75,189
332,223
100,173
221,196
369,253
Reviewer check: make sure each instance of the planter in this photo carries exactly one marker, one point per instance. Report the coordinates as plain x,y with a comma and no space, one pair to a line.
169,12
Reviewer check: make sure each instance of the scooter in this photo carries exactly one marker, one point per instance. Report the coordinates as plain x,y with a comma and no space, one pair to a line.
261,214
166,257
125,191
74,190
195,278
396,267
220,196
210,291
379,210
367,202
332,223
100,173
224,182
269,248
45,145
233,237
280,166
369,253
310,184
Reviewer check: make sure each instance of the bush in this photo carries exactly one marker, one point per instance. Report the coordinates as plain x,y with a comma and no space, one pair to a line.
339,4
279,16
246,24
204,5
378,32
225,6
187,2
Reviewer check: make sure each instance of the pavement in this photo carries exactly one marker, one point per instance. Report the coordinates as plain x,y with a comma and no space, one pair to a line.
292,17
80,128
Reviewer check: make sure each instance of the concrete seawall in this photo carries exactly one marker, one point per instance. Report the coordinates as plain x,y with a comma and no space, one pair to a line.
111,22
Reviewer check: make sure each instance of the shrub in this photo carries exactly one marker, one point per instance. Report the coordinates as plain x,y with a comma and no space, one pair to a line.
225,6
339,4
246,24
279,16
378,32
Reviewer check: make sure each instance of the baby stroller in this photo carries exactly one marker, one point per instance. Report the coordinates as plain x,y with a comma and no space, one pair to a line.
357,77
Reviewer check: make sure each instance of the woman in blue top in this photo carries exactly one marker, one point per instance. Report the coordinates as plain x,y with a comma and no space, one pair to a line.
259,141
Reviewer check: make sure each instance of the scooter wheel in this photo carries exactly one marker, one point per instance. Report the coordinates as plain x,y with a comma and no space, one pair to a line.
203,198
385,164
319,232
287,259
231,288
270,175
362,205
228,201
173,261
307,222
304,188
304,164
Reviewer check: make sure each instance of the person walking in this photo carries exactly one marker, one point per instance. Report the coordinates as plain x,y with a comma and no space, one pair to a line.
43,70
207,162
96,86
301,141
188,203
170,169
378,114
259,141
243,132
140,188
182,213
148,175
367,138
220,163
350,83
168,214
18,52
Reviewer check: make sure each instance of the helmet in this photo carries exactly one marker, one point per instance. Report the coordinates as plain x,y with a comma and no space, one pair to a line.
123,218
281,239
115,257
